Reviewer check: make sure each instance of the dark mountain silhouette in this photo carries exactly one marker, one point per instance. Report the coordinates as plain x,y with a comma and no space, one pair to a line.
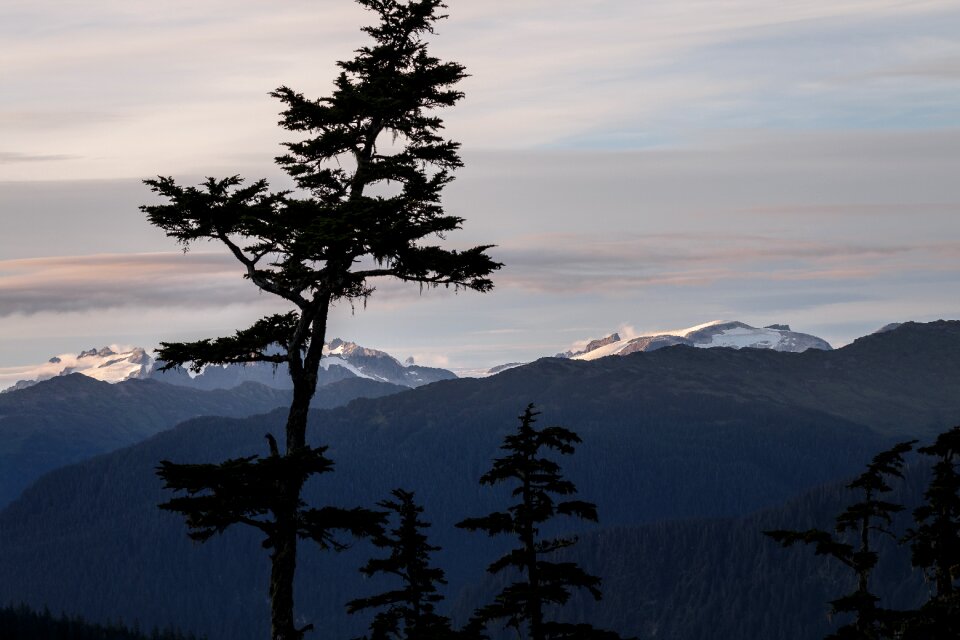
677,433
69,418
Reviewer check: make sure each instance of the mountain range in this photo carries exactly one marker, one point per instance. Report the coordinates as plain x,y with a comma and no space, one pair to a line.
673,435
342,360
347,359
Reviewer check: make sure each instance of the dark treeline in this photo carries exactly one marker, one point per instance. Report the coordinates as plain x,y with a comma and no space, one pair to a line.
23,623
722,578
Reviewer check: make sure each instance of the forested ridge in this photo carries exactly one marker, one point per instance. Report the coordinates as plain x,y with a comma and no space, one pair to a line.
23,623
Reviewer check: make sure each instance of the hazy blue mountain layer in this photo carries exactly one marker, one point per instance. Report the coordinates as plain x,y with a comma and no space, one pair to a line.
71,418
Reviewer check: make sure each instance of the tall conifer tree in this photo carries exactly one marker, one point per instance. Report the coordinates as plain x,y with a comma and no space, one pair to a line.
370,168
536,480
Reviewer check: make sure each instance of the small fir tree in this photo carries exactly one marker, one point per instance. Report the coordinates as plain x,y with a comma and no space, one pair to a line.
536,481
408,612
862,521
365,210
935,543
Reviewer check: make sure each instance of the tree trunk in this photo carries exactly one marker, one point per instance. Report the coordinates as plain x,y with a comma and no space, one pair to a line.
286,512
282,570
865,617
283,561
297,416
533,573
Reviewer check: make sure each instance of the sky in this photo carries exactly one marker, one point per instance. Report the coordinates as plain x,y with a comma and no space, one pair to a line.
640,166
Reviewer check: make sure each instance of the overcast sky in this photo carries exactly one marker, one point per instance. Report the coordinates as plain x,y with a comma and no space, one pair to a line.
640,165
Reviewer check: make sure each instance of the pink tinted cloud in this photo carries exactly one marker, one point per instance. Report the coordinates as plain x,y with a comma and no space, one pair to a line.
76,283
562,263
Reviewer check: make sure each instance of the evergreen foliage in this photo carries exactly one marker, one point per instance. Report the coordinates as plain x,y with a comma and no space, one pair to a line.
245,490
409,610
935,542
537,481
934,545
327,243
862,522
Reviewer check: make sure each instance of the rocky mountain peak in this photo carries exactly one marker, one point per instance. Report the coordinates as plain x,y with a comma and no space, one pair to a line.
602,342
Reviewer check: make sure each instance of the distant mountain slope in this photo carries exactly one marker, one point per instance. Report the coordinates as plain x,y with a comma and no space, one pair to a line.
70,418
900,381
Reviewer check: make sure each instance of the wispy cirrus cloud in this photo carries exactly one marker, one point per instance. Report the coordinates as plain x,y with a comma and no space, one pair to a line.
171,280
11,157
550,263
578,264
79,283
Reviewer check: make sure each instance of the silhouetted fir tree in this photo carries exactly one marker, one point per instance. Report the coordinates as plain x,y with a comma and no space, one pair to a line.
935,543
409,611
324,244
860,522
536,481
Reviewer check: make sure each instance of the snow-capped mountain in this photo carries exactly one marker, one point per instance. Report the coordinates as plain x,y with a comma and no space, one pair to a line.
737,335
109,364
379,365
341,360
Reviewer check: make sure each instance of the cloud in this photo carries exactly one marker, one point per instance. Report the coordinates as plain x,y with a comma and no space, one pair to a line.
185,281
60,117
612,73
936,68
11,157
104,282
598,265
860,209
